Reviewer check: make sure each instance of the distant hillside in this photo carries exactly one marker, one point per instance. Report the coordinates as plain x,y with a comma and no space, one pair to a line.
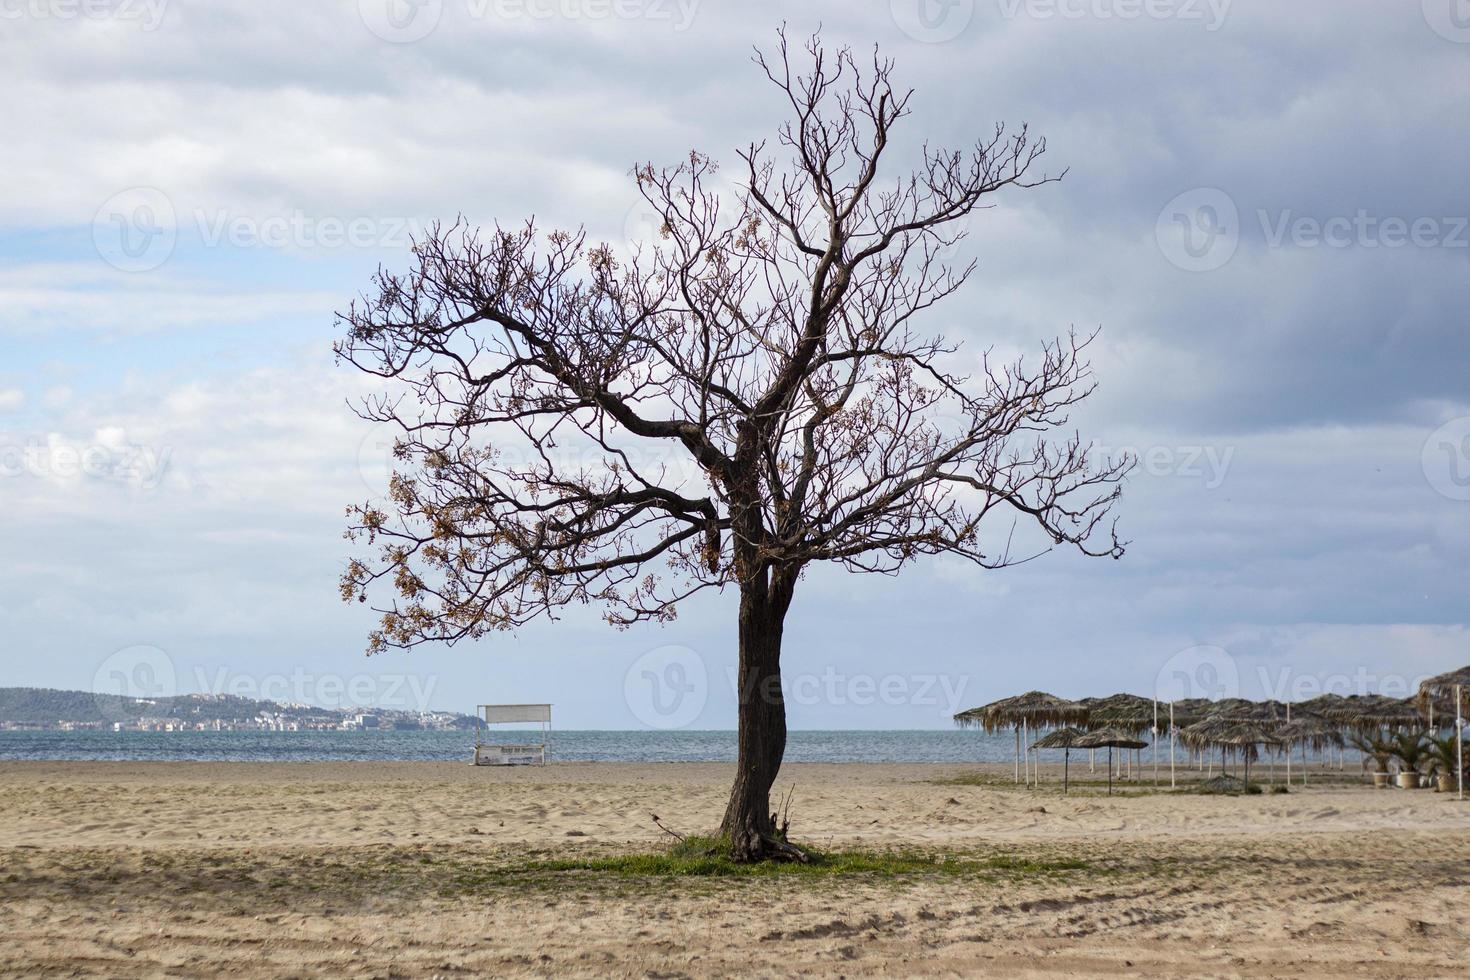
43,706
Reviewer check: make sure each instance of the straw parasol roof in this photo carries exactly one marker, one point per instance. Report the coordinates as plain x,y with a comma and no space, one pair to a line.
1187,711
1230,708
1108,738
1325,706
1443,685
1228,734
1066,740
1234,736
1037,709
1370,712
1316,733
1440,691
1061,738
1242,709
1124,712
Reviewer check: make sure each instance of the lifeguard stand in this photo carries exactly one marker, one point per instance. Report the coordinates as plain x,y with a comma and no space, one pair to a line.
512,754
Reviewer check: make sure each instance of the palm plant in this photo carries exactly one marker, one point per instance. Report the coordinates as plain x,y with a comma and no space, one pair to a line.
1411,749
1443,754
1378,747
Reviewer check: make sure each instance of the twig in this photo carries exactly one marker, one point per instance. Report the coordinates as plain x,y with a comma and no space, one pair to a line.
672,833
785,822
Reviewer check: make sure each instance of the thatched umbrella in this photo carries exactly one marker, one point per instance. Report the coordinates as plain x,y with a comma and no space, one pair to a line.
1243,709
1111,738
1443,685
1370,712
1307,730
1324,705
1444,692
1064,739
1034,709
1125,713
1437,694
1187,711
1230,735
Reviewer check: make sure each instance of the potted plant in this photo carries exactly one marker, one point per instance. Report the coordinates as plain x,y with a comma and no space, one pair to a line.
1444,762
1377,751
1411,749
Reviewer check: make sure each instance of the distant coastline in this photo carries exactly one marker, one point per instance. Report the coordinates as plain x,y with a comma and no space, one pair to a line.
32,709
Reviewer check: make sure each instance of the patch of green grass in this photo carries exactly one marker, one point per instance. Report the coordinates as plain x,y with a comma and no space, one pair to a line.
708,857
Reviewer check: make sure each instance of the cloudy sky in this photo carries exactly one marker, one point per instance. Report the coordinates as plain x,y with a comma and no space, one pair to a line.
1265,212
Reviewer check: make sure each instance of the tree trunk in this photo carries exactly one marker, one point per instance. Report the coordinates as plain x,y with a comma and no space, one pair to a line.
749,821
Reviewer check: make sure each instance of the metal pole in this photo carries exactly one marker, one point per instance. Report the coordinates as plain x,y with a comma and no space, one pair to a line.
1025,754
1459,744
1171,744
1018,753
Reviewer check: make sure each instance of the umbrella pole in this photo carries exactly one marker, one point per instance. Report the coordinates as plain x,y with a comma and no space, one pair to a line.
1066,760
1460,747
1110,770
1025,753
1171,744
1155,740
1092,760
1018,753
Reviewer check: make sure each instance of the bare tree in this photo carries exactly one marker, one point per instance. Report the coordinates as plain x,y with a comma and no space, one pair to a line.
746,397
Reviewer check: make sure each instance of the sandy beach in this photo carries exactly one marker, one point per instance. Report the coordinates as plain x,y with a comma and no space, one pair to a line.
411,869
